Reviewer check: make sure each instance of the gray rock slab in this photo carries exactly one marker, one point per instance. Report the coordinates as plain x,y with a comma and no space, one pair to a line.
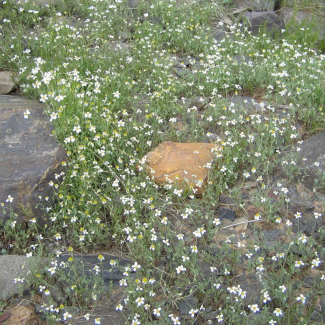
120,47
249,104
312,160
107,314
133,4
225,213
218,32
268,19
256,5
252,285
186,304
13,267
30,156
6,82
290,15
109,273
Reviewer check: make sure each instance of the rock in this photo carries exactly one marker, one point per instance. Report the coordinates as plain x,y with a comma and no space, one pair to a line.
205,270
4,316
273,237
23,315
316,316
308,225
6,82
185,102
224,213
248,104
199,102
109,273
30,157
253,287
243,59
311,282
15,267
183,163
255,318
197,67
186,304
311,160
300,198
108,316
241,224
268,19
226,199
303,17
123,36
120,47
256,5
296,250
218,32
180,72
133,4
217,250
212,315
57,294
322,305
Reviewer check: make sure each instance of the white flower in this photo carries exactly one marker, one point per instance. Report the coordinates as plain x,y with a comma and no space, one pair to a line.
315,263
298,264
254,308
223,169
278,312
156,312
116,94
199,232
317,215
180,269
9,199
192,312
119,307
220,318
26,114
139,301
136,266
301,298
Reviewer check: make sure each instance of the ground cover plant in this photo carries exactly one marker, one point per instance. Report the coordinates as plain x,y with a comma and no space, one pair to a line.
111,102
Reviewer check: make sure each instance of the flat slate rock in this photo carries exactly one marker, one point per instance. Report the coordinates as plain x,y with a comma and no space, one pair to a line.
107,314
111,268
29,156
256,5
249,104
268,19
13,267
312,160
6,82
302,17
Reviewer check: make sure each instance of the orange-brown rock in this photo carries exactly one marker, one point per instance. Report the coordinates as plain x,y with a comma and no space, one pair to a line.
183,164
23,315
